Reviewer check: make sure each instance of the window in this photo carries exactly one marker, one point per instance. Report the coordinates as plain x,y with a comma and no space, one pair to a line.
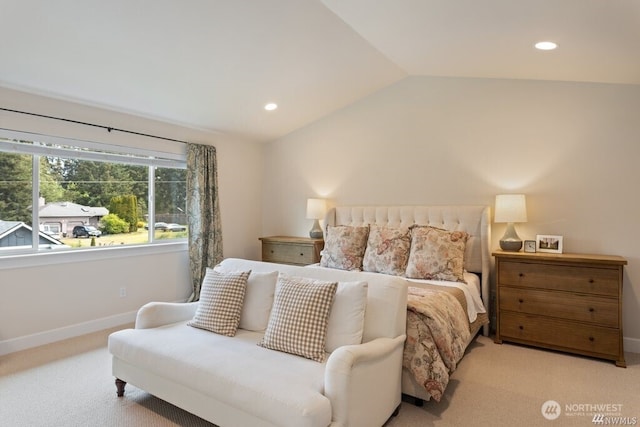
87,194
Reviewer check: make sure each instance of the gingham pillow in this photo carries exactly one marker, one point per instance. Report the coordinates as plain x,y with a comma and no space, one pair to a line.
299,317
221,299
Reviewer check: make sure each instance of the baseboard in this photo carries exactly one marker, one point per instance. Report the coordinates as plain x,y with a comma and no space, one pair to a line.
632,345
53,335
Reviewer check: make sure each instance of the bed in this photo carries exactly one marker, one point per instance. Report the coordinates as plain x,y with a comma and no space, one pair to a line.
470,290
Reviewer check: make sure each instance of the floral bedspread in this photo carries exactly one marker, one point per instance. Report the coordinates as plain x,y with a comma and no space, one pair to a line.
437,333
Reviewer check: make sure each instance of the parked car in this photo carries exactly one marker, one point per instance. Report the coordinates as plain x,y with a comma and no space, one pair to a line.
176,227
163,226
86,231
157,226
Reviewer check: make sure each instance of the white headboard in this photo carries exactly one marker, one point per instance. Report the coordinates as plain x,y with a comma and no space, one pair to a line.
475,220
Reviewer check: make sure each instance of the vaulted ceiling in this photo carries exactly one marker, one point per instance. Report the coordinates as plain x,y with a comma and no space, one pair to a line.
214,64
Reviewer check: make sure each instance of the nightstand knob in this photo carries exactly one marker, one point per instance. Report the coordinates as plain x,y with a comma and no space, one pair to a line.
521,274
301,254
591,281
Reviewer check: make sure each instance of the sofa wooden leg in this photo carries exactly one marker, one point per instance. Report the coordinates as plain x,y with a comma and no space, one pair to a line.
396,412
120,387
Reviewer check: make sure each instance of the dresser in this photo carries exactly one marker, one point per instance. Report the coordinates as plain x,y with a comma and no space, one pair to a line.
566,302
291,250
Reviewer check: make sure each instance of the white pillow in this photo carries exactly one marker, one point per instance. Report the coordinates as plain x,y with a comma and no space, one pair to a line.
258,300
346,320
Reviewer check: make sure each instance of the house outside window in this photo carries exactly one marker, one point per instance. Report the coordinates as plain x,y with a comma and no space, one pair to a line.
128,196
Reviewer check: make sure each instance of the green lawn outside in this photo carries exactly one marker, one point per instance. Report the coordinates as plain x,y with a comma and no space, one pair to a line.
138,237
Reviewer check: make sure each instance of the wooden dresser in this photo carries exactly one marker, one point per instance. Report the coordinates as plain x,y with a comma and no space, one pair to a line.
567,302
291,250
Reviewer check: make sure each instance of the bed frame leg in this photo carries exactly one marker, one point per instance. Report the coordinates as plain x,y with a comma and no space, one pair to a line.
120,387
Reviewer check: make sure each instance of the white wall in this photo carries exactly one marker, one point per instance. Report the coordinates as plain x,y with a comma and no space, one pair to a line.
572,148
42,301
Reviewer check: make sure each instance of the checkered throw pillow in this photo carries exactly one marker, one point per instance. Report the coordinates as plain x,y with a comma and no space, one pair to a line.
221,299
299,317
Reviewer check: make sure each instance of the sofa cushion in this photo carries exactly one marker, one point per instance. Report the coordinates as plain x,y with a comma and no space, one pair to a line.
387,250
258,299
221,299
346,320
436,254
299,316
281,388
344,247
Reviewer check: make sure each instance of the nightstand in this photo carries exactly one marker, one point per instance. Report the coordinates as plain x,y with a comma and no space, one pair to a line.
291,250
566,302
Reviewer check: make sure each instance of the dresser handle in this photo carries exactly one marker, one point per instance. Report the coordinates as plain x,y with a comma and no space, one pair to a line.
592,339
301,254
271,251
521,274
591,309
520,300
591,281
521,327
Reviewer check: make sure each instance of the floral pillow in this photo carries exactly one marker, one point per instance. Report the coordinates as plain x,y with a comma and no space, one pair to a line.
387,250
436,254
344,247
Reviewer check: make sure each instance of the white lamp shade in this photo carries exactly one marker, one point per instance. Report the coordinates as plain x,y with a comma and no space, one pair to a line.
316,208
511,208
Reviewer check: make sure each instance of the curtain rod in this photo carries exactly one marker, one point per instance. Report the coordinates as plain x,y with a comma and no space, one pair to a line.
108,128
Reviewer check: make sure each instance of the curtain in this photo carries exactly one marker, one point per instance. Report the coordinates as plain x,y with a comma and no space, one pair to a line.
203,213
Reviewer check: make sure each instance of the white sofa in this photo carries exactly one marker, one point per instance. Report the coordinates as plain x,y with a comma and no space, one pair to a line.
231,381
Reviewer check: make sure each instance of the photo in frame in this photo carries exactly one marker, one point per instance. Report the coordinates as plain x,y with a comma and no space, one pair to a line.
549,243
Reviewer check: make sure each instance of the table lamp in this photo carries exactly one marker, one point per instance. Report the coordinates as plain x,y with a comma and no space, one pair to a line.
510,208
316,209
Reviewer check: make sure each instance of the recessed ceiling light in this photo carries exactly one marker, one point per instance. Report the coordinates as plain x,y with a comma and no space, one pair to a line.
546,45
271,106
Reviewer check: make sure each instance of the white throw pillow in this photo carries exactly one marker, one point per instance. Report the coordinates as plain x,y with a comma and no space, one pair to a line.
258,300
346,320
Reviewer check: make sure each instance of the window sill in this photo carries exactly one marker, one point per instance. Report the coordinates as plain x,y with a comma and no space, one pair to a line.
89,254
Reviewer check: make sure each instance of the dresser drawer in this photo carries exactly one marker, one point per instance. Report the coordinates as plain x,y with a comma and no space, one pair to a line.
591,280
288,253
582,307
587,339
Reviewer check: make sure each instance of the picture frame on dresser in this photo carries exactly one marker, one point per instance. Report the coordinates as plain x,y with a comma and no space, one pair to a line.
549,243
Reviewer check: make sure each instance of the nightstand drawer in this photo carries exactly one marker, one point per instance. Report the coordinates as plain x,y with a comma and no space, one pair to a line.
285,253
587,339
586,308
591,280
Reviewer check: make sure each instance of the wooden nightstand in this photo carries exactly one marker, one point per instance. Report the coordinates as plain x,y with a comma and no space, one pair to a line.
567,302
291,250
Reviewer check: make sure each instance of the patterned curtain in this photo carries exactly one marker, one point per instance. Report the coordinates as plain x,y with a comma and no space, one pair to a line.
203,212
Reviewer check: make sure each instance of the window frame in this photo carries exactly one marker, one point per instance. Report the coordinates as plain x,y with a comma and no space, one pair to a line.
89,151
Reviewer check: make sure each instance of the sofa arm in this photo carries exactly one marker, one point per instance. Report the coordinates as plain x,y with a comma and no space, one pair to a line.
156,314
363,382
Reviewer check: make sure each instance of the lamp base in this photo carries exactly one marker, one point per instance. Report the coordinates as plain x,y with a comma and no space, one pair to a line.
511,245
316,231
510,242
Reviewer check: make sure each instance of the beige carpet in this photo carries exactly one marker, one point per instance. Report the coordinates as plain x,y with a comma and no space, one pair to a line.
70,384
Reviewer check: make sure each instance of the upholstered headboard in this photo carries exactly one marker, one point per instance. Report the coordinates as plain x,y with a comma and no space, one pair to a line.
475,220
